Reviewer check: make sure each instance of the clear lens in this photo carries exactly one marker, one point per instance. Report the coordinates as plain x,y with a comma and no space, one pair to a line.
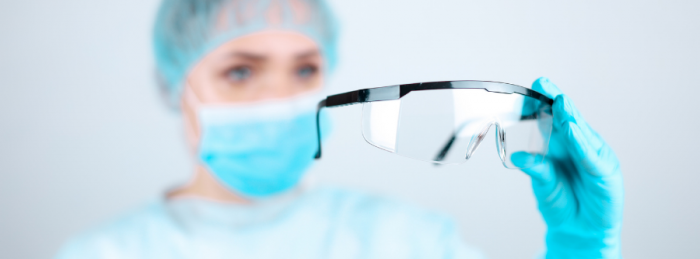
447,126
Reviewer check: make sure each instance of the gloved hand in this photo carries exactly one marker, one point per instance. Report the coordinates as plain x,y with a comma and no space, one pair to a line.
578,187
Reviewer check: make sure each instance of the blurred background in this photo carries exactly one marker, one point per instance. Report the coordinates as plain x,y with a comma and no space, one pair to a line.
85,136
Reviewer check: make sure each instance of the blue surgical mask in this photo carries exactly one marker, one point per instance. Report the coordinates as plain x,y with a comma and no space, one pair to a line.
260,149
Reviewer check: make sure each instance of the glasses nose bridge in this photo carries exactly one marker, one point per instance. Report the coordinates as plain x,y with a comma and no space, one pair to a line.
478,138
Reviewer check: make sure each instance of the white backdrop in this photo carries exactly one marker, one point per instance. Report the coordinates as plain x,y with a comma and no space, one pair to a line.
84,135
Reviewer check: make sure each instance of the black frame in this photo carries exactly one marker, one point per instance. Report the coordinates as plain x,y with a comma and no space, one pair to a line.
395,92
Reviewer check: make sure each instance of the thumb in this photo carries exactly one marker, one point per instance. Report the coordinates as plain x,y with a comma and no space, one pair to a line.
553,197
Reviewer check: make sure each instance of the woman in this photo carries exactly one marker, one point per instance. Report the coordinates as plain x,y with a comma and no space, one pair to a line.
247,76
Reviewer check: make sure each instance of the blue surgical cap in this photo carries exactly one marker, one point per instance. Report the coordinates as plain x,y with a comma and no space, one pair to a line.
186,30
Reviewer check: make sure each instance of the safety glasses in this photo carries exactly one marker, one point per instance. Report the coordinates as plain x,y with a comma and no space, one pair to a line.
444,122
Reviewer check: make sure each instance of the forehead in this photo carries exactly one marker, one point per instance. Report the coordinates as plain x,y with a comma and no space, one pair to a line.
269,42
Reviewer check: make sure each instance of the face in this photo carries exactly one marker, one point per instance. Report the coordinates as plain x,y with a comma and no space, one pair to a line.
260,66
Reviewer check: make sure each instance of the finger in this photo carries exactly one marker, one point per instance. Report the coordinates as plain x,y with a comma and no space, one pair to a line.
541,173
596,160
584,144
546,87
551,192
565,113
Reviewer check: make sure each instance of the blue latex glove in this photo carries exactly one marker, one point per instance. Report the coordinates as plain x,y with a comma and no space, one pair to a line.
578,187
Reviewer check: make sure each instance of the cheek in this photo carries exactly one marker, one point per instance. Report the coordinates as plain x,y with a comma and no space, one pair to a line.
317,82
305,85
214,87
201,80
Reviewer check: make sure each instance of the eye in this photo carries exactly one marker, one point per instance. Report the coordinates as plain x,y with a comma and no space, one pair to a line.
306,72
239,74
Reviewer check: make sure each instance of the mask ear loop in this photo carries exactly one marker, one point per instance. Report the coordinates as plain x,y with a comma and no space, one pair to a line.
191,133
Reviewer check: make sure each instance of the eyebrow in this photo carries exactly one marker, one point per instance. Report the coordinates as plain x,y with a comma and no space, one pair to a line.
307,54
247,55
257,57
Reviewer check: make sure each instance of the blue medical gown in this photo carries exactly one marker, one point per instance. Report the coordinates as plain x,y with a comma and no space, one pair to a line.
317,223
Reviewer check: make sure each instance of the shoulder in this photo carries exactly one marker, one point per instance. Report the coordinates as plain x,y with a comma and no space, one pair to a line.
116,238
394,227
364,207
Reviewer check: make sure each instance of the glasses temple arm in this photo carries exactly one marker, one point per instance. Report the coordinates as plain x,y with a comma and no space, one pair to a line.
321,105
337,100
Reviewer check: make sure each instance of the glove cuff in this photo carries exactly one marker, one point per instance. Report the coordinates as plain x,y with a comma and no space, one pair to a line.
568,245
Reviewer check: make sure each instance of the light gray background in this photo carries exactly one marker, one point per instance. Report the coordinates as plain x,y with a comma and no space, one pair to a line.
84,135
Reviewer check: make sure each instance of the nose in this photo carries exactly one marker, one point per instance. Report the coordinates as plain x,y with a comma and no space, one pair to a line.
276,85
